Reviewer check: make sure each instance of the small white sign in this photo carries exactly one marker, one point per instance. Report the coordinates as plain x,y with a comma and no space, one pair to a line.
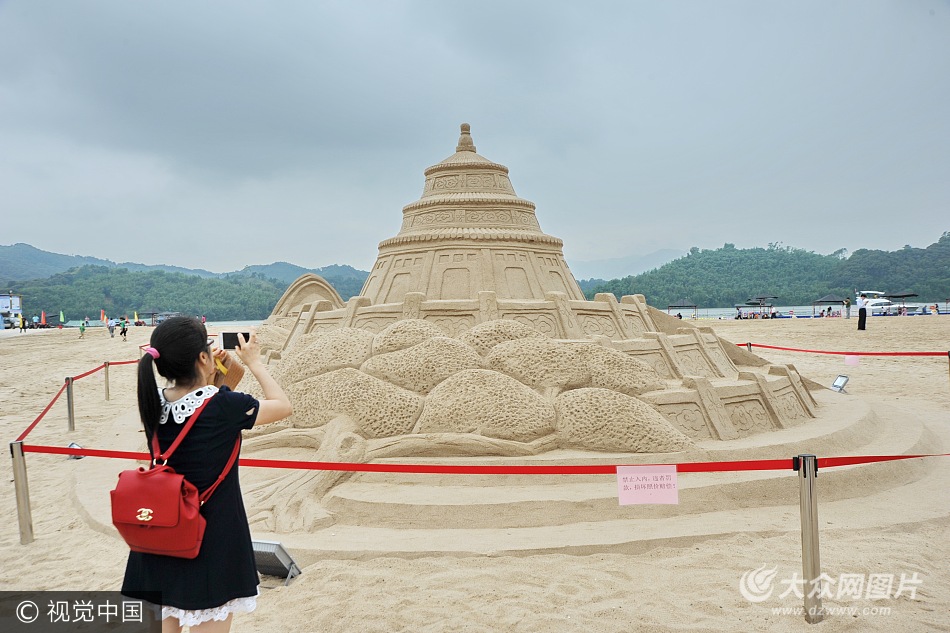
647,484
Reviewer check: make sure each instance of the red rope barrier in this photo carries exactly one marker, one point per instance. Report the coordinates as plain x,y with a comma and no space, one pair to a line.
60,392
815,351
88,373
122,362
40,416
831,462
473,469
84,452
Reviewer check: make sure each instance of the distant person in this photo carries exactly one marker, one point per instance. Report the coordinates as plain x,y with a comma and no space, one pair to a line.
22,324
829,311
862,304
847,308
203,319
82,329
738,312
87,321
111,326
679,315
124,328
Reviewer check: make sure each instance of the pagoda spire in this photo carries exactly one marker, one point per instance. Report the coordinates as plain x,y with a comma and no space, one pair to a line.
466,144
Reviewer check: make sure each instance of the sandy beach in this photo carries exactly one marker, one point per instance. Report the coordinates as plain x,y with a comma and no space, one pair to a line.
688,583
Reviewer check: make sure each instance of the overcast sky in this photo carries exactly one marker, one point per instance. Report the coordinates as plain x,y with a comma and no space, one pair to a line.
220,134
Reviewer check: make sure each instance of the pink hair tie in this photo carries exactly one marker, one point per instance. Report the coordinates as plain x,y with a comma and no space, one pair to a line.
151,351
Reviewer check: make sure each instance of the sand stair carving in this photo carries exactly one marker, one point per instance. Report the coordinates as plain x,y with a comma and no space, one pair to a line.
382,514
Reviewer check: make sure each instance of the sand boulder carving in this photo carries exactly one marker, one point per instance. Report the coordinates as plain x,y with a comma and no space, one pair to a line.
471,337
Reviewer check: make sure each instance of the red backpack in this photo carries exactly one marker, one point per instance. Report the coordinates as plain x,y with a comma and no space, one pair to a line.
156,510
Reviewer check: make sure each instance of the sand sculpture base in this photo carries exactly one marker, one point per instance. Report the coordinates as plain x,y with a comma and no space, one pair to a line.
371,515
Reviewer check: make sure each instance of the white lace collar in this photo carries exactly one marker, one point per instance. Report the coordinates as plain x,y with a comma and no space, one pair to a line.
186,405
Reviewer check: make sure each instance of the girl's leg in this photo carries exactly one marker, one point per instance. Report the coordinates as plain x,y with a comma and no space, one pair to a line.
170,625
212,626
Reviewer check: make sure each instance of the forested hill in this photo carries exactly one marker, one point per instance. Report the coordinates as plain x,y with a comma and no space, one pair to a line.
86,290
348,281
82,286
728,276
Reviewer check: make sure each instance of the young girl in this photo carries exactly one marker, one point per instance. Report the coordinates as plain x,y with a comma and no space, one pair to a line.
203,593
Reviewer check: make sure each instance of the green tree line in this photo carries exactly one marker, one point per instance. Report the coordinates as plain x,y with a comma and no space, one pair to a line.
85,291
728,276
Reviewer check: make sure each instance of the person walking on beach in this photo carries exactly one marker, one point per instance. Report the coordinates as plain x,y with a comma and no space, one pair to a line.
205,592
862,311
111,325
82,329
847,308
124,328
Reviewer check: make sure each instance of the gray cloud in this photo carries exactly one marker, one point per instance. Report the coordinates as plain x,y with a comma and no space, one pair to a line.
224,134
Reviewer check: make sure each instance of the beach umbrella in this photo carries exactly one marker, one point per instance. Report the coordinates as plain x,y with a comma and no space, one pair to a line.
43,317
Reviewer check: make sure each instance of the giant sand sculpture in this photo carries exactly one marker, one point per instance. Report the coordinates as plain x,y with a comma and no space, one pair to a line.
471,337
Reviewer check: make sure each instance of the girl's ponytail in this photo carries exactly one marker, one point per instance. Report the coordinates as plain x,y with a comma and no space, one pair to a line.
150,405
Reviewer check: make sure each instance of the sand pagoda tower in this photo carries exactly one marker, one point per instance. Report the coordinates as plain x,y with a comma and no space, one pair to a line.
472,284
469,233
468,251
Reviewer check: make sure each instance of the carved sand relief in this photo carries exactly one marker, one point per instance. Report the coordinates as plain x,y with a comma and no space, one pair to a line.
471,337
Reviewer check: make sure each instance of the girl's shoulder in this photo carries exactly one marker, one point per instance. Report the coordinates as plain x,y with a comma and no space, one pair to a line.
234,402
236,407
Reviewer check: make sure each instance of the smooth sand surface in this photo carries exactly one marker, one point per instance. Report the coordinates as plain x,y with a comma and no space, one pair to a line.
687,584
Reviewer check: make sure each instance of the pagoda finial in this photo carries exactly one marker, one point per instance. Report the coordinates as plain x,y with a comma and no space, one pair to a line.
465,140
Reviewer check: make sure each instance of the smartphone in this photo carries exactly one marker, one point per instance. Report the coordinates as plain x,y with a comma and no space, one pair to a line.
230,340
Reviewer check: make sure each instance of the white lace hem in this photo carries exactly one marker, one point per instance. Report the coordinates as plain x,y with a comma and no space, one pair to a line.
182,408
196,617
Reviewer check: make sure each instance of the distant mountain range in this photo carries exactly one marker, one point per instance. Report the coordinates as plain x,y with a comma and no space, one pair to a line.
712,278
21,262
616,268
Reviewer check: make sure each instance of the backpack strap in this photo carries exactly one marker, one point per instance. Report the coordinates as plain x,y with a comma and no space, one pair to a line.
204,496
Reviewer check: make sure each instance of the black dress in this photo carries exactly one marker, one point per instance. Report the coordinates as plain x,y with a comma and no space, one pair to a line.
224,568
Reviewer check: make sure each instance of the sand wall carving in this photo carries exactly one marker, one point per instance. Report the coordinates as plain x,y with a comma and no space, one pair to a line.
471,337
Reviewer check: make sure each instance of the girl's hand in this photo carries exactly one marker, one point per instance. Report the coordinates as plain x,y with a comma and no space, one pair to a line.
227,372
249,351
